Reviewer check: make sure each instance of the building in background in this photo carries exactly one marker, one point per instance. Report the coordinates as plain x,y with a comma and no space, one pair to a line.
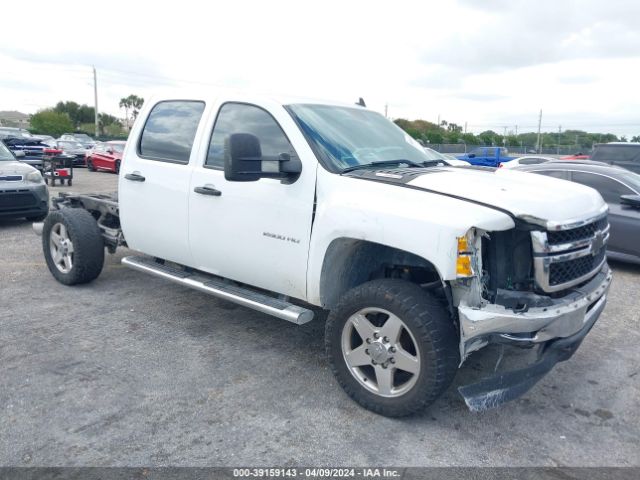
14,119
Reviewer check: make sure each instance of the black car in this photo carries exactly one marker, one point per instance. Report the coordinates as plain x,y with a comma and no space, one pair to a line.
622,154
619,187
33,149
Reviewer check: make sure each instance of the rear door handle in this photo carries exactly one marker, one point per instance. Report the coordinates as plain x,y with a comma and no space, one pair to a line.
207,191
134,177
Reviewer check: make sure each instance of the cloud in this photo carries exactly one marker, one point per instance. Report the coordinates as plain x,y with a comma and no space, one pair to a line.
578,79
478,97
517,33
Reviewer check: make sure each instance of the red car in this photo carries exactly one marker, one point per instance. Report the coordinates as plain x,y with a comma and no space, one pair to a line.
577,156
106,156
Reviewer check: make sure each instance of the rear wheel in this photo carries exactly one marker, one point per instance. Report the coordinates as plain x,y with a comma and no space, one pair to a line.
117,166
392,347
73,246
90,166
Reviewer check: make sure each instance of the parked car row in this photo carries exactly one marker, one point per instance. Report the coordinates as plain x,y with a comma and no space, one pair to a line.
82,148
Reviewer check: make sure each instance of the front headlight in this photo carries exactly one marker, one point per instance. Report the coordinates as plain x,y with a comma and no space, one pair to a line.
34,177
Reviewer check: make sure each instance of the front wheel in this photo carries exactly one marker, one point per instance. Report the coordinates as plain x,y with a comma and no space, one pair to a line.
117,166
73,246
392,347
90,166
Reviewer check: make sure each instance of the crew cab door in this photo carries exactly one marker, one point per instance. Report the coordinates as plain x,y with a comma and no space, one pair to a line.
153,187
253,232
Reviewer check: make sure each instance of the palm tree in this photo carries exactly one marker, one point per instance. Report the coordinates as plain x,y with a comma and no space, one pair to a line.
124,103
133,103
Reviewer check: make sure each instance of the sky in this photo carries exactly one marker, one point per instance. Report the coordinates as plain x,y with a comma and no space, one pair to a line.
492,64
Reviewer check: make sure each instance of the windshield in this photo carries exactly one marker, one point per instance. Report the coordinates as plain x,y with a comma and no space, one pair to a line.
117,147
70,145
348,137
5,153
433,155
83,137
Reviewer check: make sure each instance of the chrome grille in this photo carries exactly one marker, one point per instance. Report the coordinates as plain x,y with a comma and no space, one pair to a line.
586,231
563,272
565,257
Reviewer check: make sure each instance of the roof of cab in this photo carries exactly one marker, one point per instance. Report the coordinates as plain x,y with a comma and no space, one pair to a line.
215,93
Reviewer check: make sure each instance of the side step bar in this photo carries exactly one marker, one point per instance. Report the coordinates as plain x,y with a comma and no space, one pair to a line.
220,288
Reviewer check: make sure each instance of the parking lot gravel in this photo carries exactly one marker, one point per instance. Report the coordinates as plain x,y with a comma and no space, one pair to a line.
131,370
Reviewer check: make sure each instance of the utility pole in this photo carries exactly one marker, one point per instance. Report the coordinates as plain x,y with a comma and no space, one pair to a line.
516,130
559,133
95,98
386,110
465,128
438,119
539,127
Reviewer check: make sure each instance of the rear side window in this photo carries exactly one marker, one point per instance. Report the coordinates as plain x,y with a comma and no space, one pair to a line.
609,188
170,130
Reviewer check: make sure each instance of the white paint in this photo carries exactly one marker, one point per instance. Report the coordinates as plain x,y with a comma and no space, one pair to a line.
225,235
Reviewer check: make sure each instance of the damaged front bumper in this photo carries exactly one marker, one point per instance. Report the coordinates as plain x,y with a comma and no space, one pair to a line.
557,329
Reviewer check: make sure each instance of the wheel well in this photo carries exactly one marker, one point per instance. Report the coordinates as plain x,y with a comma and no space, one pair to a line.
350,262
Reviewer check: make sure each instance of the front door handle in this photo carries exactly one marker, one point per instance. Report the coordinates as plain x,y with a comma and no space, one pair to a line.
134,177
208,191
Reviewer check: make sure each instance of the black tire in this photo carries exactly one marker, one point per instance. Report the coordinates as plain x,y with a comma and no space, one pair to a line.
88,245
69,182
117,167
426,320
90,166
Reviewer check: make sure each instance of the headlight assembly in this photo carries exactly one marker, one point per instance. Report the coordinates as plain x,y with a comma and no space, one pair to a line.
34,177
466,262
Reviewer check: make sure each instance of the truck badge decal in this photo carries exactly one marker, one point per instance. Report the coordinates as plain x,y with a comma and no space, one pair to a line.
281,237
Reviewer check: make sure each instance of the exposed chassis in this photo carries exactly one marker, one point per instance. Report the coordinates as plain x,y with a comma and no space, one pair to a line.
103,207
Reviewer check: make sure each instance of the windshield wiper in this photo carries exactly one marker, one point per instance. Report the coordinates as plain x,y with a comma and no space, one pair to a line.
435,163
383,163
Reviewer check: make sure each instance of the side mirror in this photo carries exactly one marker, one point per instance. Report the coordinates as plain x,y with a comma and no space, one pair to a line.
630,200
243,160
471,155
19,154
110,151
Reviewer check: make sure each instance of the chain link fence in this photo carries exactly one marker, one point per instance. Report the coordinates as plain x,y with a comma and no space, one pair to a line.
461,148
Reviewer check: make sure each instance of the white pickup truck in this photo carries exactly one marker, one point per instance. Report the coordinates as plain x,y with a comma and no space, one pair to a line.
289,206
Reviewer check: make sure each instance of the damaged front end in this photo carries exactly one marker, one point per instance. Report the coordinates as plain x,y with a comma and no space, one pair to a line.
532,288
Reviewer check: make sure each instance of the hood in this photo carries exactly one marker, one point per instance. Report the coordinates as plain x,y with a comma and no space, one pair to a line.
15,168
533,198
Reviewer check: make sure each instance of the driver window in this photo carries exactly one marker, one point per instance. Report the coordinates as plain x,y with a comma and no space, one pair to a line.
243,118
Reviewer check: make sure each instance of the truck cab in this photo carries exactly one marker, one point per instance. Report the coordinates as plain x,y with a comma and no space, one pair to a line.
290,206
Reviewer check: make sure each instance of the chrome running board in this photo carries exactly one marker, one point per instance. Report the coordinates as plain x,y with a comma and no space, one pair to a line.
221,288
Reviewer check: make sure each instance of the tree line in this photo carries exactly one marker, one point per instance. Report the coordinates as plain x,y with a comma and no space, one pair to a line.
449,132
70,116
